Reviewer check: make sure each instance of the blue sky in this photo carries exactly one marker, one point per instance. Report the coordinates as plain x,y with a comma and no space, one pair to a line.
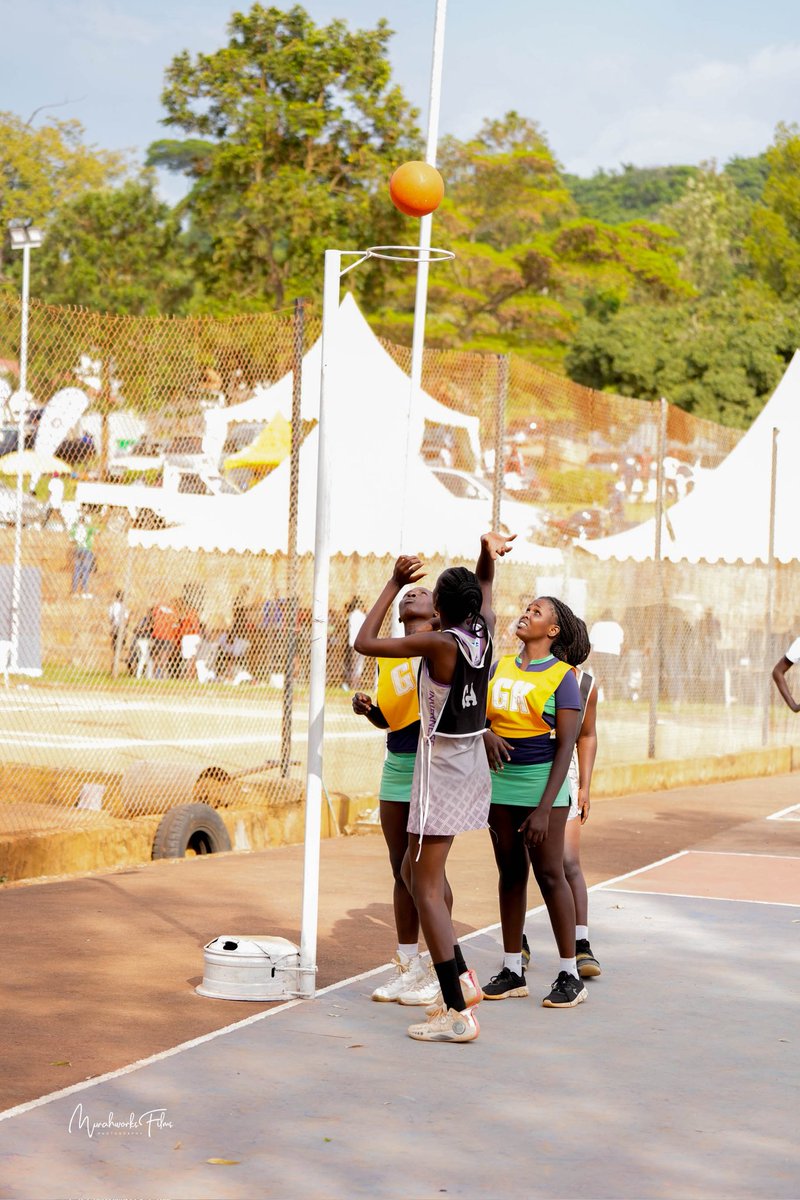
621,81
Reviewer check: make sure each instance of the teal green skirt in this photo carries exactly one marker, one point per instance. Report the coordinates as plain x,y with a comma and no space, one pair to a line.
396,777
522,785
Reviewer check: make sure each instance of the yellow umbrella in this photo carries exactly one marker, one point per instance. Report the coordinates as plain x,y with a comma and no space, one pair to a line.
271,447
33,463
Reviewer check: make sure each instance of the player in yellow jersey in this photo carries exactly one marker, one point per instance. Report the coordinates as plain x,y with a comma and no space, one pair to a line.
534,708
397,711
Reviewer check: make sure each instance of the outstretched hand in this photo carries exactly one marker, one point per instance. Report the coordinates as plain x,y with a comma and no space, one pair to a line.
497,544
408,569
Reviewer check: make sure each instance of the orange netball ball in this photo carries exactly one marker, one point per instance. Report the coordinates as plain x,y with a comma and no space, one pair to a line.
416,189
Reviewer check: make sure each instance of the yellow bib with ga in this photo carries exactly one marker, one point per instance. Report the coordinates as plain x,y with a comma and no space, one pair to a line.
397,691
517,698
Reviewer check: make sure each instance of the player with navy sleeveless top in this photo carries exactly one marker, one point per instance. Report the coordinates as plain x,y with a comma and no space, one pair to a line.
397,711
452,786
533,711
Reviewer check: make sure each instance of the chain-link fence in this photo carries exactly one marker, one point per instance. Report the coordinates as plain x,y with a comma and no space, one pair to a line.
141,678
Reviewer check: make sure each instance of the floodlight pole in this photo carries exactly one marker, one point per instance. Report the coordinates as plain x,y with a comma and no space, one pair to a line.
22,394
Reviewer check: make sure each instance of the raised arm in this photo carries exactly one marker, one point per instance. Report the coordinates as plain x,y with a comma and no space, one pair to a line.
493,546
439,648
779,676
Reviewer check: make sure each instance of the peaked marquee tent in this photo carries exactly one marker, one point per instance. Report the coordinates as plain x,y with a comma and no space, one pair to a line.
384,498
727,515
368,358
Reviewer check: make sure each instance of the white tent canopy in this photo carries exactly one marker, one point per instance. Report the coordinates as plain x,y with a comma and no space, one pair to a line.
384,498
727,515
372,363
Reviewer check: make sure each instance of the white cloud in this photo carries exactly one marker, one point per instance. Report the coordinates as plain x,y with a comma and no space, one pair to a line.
714,109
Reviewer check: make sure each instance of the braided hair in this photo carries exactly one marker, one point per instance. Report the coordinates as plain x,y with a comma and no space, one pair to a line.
459,598
571,643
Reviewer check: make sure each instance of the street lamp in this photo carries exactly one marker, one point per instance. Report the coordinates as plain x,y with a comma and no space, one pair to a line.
22,236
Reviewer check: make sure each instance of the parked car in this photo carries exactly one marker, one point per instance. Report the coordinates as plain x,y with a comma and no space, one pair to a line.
516,517
33,511
144,455
583,525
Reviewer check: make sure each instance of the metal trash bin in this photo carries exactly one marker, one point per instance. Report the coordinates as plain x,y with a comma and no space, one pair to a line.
149,786
250,967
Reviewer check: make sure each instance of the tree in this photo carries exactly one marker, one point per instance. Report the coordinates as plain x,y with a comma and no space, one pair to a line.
116,250
774,242
293,131
711,220
719,358
526,265
630,194
40,169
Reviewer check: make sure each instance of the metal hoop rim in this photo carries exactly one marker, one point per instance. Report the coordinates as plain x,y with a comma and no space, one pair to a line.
416,254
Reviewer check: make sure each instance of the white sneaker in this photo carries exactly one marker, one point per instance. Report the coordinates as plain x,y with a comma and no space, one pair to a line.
447,1025
408,973
423,990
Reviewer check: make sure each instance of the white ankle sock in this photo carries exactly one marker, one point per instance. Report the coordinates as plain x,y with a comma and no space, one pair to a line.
513,962
581,932
409,951
569,965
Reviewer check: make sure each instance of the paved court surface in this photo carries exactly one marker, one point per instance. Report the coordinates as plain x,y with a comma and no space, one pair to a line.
677,1079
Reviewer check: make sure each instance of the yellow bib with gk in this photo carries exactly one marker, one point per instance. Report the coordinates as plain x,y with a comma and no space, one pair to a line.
517,698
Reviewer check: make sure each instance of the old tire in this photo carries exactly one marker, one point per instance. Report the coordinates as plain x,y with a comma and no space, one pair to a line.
190,829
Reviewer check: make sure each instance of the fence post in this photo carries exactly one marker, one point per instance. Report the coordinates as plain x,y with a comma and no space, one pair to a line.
769,615
298,346
501,398
658,641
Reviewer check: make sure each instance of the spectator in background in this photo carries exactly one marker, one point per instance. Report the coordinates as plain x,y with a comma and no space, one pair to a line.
118,616
139,658
607,637
166,637
55,499
353,662
82,536
189,634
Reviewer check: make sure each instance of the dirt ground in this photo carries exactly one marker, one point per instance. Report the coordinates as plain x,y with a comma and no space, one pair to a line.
100,970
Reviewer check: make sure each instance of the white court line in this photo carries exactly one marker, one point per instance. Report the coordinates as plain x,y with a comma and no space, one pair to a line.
693,896
783,815
58,741
19,1109
743,854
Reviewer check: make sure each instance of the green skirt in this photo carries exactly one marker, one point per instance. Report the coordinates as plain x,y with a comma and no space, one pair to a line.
396,777
522,785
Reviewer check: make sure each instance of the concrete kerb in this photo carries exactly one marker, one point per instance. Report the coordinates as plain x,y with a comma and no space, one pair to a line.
255,820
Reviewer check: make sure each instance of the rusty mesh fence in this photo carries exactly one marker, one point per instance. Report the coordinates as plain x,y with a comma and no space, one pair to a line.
138,679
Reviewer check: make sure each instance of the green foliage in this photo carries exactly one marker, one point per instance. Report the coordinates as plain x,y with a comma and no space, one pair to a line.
630,194
718,358
118,250
748,175
293,131
579,486
774,242
41,169
711,219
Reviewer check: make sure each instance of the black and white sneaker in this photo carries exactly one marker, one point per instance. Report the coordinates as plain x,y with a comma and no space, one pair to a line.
505,986
526,954
588,966
567,992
